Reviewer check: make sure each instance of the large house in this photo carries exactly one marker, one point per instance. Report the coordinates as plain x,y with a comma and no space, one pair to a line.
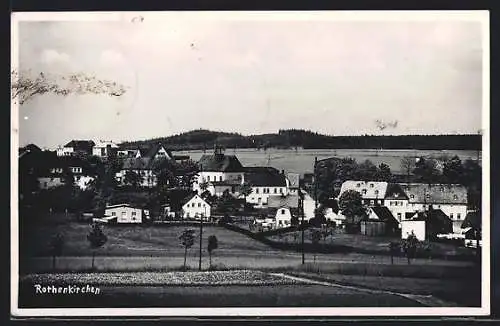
450,199
76,148
55,171
219,168
265,182
396,201
372,192
143,165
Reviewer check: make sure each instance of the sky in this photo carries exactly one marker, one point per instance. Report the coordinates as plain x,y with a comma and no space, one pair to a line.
253,76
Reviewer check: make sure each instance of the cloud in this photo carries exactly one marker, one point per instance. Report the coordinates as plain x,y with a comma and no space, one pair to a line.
51,56
111,58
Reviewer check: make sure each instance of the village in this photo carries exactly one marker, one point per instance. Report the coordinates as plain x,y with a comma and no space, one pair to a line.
102,182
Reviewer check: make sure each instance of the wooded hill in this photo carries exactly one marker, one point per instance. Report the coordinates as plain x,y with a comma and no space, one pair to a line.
291,138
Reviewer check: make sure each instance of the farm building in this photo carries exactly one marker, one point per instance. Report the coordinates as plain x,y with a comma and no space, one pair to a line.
436,222
413,226
282,208
125,213
196,207
380,222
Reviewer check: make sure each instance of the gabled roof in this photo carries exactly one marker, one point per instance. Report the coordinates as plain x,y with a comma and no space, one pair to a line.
435,193
123,205
472,220
101,143
140,163
384,214
80,144
294,179
265,179
394,191
367,189
290,201
433,215
220,163
153,150
333,204
190,198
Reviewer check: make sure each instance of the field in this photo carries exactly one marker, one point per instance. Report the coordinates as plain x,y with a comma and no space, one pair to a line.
302,161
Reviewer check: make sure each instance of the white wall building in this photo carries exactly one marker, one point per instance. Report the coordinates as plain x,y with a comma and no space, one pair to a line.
196,207
417,227
103,148
125,213
372,192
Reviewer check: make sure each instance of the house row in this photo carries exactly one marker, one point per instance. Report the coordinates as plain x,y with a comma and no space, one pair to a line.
220,172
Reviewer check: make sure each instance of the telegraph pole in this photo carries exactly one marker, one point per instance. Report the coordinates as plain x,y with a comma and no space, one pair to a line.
201,231
315,184
301,211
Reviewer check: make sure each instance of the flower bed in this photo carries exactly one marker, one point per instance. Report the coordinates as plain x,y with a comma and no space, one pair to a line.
240,277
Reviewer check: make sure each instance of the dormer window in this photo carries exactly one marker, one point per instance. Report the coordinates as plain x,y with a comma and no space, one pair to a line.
412,196
455,197
364,191
376,192
371,185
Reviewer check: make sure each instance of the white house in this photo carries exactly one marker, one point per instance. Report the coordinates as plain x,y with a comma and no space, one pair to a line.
451,199
76,147
196,207
126,213
294,183
397,201
48,182
266,182
218,168
372,192
282,208
103,149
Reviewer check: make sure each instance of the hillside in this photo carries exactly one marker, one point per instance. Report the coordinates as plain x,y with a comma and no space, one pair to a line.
291,138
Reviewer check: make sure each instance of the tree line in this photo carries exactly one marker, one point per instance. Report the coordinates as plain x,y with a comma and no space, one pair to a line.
202,139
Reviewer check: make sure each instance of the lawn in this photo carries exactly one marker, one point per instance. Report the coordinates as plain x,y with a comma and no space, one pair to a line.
364,242
131,240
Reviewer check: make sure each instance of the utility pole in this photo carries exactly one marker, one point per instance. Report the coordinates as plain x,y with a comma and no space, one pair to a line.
201,231
301,212
315,184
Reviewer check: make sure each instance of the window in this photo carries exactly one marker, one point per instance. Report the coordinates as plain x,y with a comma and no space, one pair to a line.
376,192
458,216
124,213
372,202
451,215
412,196
281,190
208,178
455,197
371,185
113,213
282,212
256,190
358,185
199,204
275,190
399,216
220,178
134,213
364,191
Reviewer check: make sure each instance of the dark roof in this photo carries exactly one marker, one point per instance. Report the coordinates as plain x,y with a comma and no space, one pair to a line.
435,193
265,179
260,169
153,150
29,148
472,220
81,144
394,191
384,214
140,163
220,163
333,204
290,201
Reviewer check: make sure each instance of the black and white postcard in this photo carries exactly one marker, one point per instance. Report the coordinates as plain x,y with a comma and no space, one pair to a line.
250,163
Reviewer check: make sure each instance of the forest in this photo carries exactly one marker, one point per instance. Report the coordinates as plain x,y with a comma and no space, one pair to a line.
296,138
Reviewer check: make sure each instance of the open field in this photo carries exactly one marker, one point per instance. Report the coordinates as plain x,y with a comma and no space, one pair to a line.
302,160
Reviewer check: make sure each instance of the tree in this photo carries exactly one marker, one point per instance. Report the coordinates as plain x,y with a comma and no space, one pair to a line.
366,171
56,247
132,178
212,245
187,241
394,249
315,239
245,190
351,206
26,84
319,217
409,246
203,185
453,170
97,239
407,166
383,173
426,170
